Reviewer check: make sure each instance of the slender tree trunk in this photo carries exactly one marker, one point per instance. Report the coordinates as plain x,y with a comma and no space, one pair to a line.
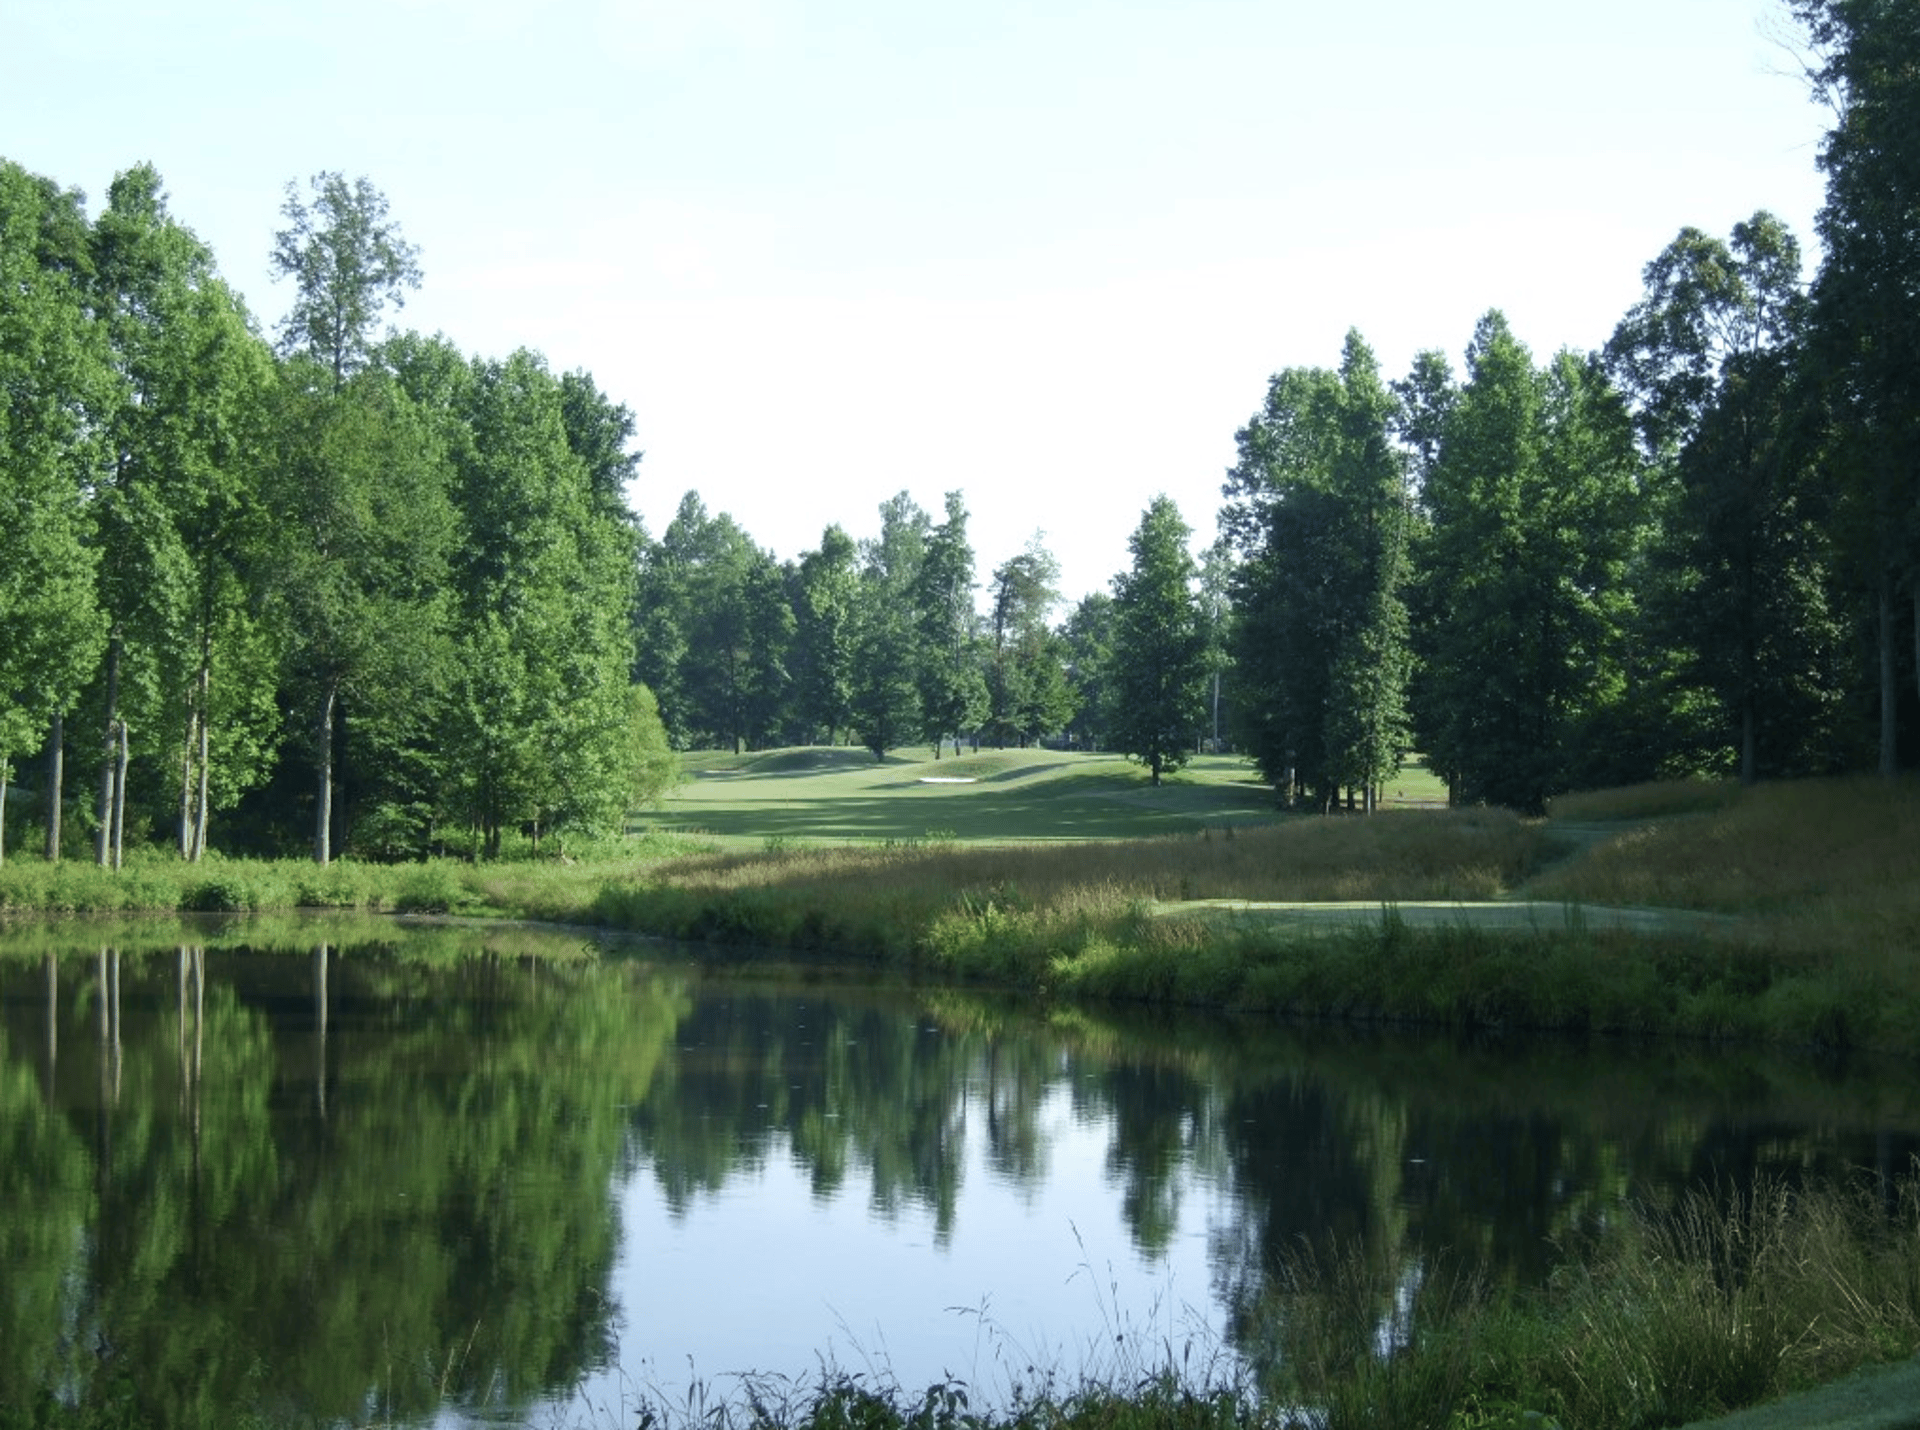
56,783
6,769
103,838
323,763
186,789
120,800
200,804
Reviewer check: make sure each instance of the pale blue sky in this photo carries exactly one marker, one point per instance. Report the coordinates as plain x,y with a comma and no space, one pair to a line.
1047,253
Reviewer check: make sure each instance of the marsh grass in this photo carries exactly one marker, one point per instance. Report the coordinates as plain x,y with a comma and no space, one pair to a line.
1823,867
1676,1314
154,881
1645,801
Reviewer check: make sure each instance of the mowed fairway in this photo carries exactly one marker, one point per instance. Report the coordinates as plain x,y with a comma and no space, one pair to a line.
838,796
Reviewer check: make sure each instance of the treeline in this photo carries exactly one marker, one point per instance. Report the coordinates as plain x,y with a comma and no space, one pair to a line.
353,590
1694,551
368,588
1697,550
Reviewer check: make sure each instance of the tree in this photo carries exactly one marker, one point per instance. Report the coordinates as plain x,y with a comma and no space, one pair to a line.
886,663
953,695
542,574
358,496
715,610
651,764
53,386
1535,509
1216,624
1087,636
1318,506
826,590
1866,311
179,515
1027,690
348,262
1738,586
1159,648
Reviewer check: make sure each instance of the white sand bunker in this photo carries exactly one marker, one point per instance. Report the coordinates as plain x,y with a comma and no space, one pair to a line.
948,780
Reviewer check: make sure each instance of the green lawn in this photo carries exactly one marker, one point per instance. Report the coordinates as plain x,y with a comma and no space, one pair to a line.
839,795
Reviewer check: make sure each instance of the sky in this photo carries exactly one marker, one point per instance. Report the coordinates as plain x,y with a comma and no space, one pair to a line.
1044,252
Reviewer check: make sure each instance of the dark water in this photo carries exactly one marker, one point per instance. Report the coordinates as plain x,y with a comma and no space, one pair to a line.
378,1175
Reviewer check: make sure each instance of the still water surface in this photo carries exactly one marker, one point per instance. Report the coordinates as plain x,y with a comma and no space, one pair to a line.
366,1173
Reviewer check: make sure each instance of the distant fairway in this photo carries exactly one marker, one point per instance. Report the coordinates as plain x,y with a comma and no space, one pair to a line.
838,795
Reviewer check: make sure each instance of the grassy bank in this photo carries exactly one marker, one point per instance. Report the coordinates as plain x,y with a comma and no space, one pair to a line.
1815,889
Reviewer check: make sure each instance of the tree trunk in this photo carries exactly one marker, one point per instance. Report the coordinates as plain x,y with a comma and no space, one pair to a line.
120,801
103,837
186,790
6,769
200,804
56,784
323,766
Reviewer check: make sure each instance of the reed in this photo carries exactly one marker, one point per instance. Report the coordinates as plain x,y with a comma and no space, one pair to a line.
1722,1301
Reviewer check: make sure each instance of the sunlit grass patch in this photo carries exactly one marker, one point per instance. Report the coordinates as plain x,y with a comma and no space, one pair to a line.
1828,864
1645,801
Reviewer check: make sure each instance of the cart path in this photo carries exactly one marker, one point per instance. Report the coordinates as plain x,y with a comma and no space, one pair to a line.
1518,915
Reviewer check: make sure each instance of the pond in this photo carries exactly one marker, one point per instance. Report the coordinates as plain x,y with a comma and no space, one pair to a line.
355,1172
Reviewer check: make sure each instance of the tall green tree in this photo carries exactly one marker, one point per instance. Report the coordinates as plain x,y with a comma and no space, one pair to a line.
1087,636
953,693
349,262
886,644
1027,691
543,577
54,385
1866,316
358,493
1159,646
716,631
179,514
1740,583
1318,506
826,592
1535,507
359,496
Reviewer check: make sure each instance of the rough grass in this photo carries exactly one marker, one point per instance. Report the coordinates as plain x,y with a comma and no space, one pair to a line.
1677,1314
1820,880
1829,867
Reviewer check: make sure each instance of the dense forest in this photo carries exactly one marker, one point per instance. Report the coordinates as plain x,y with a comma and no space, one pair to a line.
353,589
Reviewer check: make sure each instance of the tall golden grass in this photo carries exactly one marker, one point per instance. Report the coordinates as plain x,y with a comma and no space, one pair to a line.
1824,867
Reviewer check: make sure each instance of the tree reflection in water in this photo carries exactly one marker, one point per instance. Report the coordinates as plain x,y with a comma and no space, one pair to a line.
368,1180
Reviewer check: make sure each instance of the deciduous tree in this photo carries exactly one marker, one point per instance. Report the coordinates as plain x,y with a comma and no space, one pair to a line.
1159,647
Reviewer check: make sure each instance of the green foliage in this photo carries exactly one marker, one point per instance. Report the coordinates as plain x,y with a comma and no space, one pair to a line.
1027,691
54,388
348,261
1738,585
1159,649
1525,604
653,767
1318,508
952,689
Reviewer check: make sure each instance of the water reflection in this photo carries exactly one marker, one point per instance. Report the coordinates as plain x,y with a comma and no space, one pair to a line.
361,1177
